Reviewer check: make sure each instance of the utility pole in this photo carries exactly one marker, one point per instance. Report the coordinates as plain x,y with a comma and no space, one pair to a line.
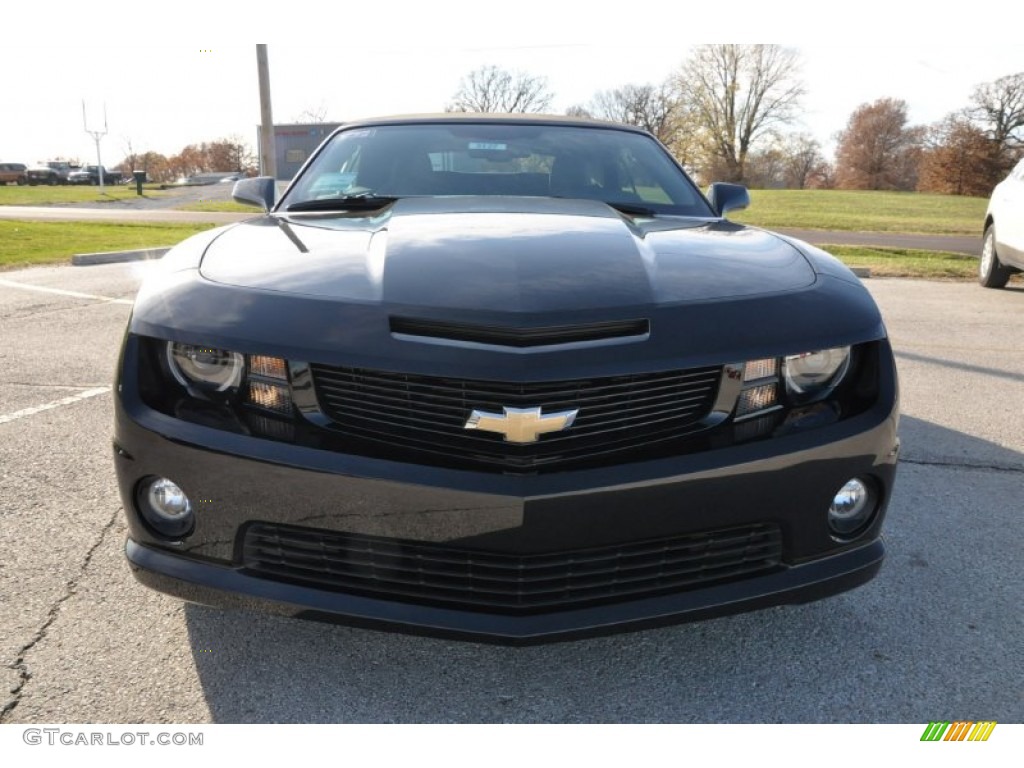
96,136
268,159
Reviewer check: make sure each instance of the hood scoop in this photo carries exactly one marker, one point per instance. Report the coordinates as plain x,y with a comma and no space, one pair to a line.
435,331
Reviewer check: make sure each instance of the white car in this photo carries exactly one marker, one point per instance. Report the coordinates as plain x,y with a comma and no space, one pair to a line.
1002,250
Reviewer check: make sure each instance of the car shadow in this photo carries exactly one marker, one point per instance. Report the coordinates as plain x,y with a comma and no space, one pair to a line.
932,637
960,366
1016,284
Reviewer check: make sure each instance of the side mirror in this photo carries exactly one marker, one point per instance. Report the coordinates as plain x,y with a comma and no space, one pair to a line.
261,192
728,197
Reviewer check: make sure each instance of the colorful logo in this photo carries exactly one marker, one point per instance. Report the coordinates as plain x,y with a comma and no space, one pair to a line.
959,731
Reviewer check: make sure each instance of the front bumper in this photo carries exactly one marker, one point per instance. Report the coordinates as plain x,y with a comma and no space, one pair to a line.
227,586
787,482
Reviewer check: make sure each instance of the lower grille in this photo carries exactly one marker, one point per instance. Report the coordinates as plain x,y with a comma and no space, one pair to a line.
411,571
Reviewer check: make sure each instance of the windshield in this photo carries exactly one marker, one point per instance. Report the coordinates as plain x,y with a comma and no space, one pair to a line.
427,159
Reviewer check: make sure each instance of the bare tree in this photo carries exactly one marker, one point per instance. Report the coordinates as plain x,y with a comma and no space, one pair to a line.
803,161
683,137
766,168
824,177
998,107
317,114
653,108
738,93
578,110
492,89
793,161
877,149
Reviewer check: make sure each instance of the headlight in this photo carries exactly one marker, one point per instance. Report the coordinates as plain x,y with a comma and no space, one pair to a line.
204,367
812,375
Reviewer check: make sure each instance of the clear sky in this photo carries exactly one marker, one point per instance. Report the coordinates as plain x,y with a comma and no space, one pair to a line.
183,72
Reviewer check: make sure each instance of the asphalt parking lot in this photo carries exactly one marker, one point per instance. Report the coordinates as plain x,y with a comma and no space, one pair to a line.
939,635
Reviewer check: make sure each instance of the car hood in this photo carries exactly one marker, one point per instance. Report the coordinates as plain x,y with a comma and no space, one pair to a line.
519,255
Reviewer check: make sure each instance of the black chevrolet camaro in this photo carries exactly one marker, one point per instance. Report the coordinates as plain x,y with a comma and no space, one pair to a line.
510,379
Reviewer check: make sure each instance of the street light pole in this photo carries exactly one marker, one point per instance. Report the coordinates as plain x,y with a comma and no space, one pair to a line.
268,159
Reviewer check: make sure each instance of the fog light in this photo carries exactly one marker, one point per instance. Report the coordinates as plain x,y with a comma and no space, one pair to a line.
168,500
165,507
851,508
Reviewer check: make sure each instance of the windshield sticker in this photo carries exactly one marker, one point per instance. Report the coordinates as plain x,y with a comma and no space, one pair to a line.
331,184
490,146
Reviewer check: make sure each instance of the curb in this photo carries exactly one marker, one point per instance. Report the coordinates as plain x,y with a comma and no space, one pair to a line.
116,257
861,271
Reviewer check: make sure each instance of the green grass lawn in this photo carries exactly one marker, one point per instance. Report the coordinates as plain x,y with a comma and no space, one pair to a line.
842,210
23,243
907,262
219,206
47,195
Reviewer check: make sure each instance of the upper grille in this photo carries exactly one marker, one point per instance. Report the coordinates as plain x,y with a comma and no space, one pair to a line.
413,571
428,414
505,336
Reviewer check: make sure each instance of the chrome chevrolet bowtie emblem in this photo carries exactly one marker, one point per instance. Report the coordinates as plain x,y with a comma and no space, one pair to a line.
521,425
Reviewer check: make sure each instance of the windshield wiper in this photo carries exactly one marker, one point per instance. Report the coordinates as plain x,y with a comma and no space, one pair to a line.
631,209
346,203
622,206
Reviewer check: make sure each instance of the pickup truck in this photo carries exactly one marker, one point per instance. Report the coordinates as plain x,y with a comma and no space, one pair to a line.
52,172
90,174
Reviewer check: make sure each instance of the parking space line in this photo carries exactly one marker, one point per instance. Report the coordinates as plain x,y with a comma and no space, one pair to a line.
6,417
61,292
